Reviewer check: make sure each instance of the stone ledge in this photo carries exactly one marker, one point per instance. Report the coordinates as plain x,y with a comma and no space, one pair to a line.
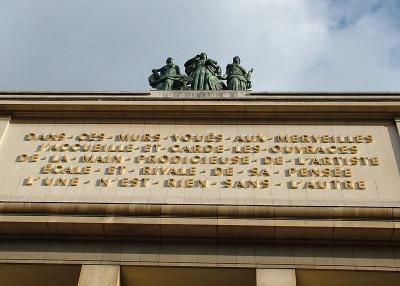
245,105
243,255
203,211
199,229
195,222
197,96
205,110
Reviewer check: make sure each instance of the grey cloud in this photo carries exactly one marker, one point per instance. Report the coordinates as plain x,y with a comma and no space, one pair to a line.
113,45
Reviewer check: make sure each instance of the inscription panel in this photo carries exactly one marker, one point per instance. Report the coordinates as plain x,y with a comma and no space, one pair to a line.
281,163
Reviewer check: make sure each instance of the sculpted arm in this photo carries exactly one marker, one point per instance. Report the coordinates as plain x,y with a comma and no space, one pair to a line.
191,61
213,62
189,65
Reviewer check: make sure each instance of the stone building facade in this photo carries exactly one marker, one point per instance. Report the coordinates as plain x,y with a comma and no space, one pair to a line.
199,188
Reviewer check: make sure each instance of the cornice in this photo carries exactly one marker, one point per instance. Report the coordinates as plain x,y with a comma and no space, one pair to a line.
199,105
206,222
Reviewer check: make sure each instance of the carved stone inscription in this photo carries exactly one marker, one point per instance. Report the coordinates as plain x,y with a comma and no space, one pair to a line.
191,160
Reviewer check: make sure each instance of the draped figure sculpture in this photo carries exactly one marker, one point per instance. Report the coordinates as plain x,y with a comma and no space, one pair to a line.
204,73
237,77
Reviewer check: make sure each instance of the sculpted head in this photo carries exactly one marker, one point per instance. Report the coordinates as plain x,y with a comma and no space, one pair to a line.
170,61
203,56
236,60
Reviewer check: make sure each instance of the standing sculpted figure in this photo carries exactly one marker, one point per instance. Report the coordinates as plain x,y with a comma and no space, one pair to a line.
237,77
204,73
168,77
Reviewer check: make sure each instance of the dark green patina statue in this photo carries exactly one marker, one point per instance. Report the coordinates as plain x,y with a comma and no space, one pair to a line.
237,77
203,73
168,77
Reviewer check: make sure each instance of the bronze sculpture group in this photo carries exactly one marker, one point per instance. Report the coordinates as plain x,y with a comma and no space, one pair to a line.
202,73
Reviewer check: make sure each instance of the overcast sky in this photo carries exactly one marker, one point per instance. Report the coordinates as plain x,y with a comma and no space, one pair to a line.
112,45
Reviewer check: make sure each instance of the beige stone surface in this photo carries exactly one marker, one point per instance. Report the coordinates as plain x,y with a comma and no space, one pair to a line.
276,277
381,181
274,230
4,122
99,275
202,254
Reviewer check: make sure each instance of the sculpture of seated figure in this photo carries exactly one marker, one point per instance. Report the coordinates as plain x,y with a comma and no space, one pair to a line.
168,77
